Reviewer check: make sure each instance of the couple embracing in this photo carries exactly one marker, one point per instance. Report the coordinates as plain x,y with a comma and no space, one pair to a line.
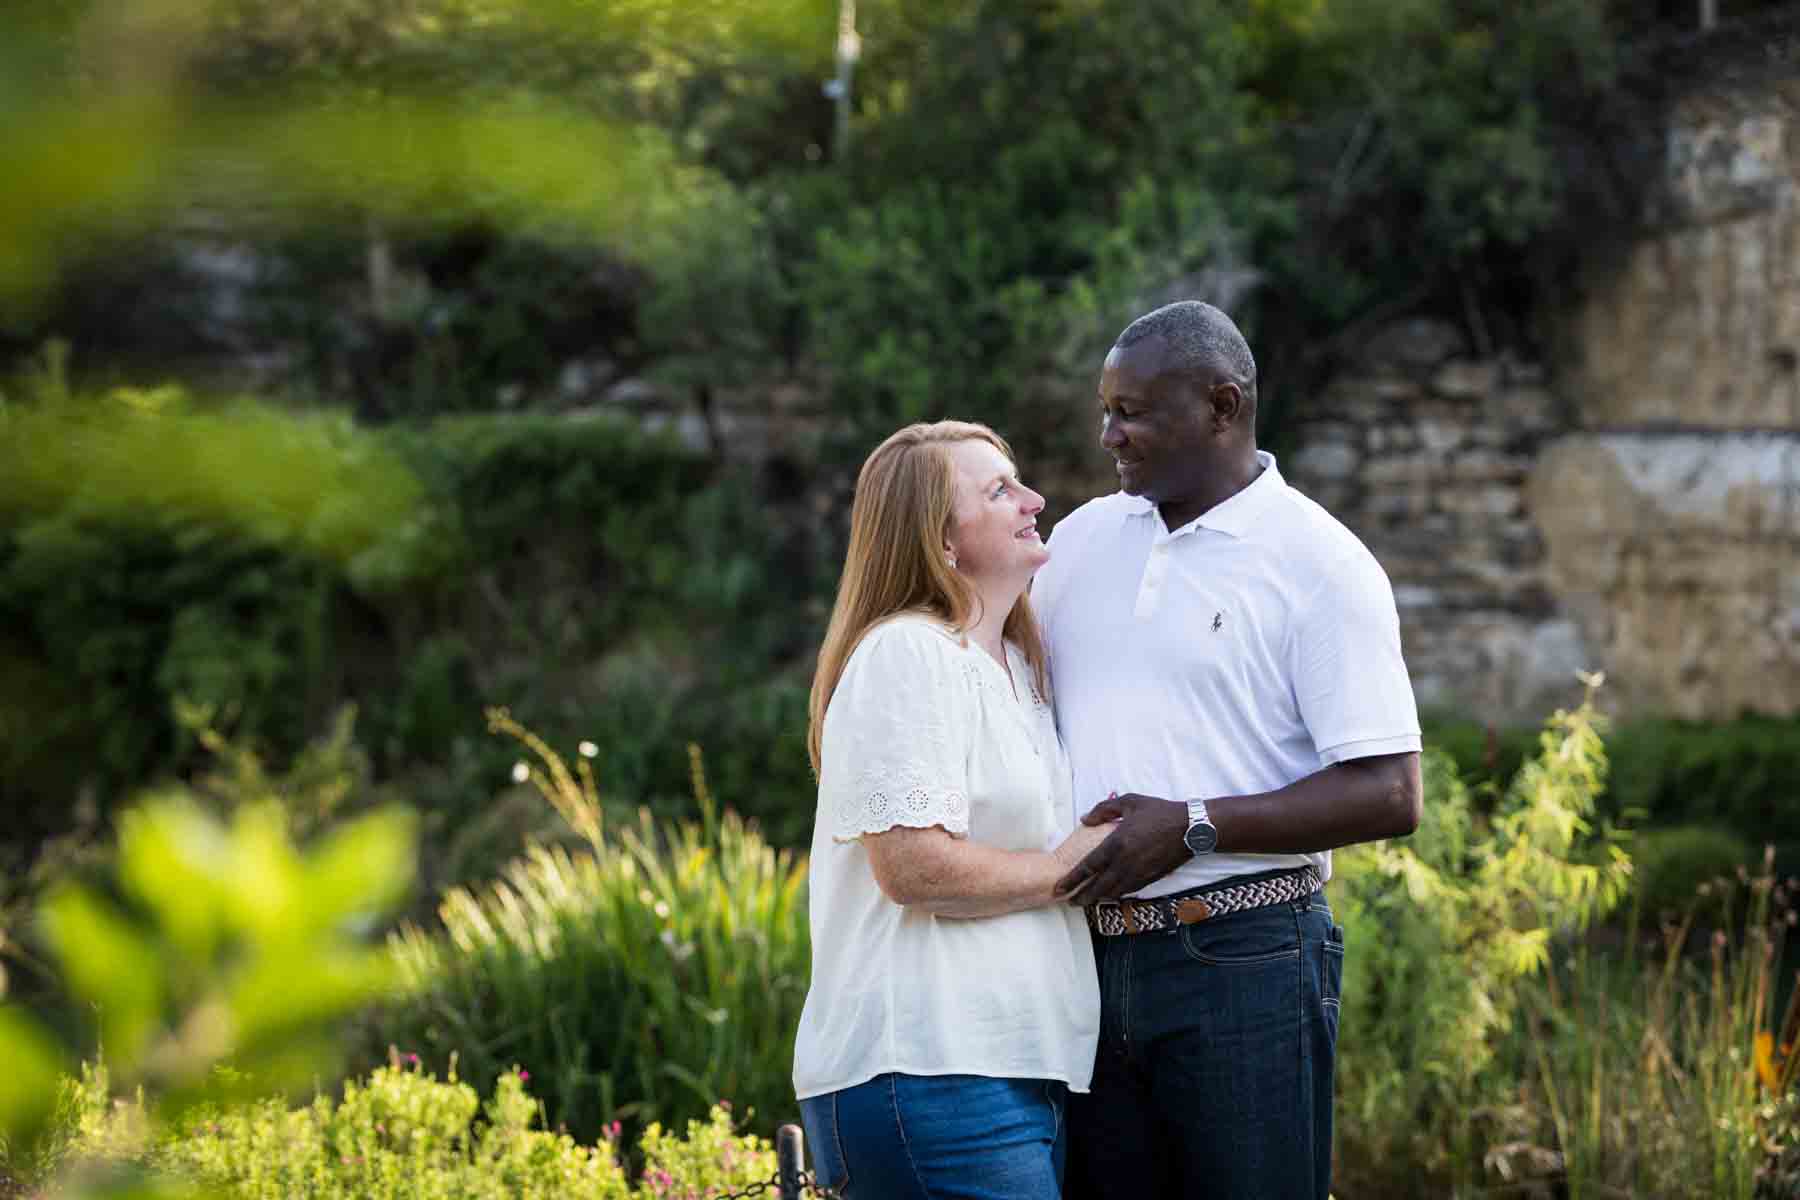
1069,933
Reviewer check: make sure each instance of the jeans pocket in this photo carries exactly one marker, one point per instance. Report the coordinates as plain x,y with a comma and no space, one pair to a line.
1248,939
824,1140
1331,982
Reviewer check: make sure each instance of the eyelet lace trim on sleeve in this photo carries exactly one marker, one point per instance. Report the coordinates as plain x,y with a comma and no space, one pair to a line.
878,809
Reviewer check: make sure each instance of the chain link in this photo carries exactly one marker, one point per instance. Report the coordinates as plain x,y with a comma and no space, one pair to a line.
809,1186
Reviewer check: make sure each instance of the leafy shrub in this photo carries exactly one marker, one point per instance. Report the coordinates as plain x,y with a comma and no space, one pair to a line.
268,568
398,1134
1440,928
151,549
642,977
1676,867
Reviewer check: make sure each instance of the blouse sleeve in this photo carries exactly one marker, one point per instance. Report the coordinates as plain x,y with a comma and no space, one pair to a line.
899,727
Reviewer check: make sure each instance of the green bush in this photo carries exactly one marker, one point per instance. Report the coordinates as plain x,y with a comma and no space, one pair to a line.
1743,774
1737,774
398,1134
642,977
150,549
1679,868
1440,928
269,568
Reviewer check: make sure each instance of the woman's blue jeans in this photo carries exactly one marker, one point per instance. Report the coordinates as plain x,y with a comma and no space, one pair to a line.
933,1137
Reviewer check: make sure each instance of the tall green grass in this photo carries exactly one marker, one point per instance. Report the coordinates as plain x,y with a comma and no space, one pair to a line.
1672,1073
642,976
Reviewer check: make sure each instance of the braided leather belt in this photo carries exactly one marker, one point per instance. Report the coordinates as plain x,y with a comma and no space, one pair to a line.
1111,918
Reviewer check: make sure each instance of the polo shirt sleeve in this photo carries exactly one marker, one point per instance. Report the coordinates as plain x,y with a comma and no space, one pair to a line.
1350,680
903,718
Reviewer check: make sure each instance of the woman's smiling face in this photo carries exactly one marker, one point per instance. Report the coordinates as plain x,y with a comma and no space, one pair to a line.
993,529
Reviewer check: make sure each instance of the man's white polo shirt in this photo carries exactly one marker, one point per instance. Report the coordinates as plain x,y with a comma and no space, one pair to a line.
1253,646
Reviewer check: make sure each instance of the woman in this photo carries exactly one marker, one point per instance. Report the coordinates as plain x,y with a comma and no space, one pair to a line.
953,1001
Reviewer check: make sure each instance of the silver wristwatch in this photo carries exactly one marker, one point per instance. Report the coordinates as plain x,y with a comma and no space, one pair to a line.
1202,835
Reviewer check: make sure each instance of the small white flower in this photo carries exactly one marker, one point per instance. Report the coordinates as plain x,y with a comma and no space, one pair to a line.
662,909
588,749
679,950
521,772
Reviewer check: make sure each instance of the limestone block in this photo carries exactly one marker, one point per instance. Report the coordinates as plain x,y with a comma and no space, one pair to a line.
1698,328
1416,342
1394,391
1325,460
1384,503
1466,379
1391,439
1499,665
1725,485
1578,492
1494,500
1673,552
1439,433
1720,168
1413,595
1418,468
1485,464
1525,409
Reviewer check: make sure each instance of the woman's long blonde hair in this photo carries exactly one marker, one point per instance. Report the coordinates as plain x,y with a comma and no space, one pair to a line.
905,500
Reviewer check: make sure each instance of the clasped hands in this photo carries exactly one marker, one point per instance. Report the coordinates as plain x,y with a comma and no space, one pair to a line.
1124,843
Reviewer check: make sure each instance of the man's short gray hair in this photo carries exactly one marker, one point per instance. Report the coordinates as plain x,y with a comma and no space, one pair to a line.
1202,342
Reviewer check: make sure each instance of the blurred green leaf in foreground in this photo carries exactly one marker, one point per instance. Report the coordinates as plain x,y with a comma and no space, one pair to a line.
114,118
218,960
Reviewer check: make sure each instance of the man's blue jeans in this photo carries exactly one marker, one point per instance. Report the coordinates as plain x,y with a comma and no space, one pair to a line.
1214,1072
931,1137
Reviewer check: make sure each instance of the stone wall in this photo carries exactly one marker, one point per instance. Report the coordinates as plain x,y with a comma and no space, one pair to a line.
1426,453
1637,508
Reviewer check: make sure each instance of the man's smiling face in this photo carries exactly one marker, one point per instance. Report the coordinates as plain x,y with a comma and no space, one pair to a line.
1154,424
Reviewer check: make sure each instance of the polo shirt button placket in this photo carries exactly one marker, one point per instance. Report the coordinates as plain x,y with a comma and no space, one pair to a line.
1151,587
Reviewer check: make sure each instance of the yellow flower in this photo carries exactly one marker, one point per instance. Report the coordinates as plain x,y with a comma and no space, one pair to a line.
1765,1061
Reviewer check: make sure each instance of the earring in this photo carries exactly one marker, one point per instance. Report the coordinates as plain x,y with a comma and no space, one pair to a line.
951,559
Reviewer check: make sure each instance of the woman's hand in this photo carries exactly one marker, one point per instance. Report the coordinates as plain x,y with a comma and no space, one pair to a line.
1076,846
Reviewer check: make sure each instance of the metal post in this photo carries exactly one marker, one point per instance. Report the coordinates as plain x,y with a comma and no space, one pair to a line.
790,1160
849,49
1709,14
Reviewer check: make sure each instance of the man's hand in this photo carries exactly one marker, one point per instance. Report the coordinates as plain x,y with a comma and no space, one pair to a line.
1145,845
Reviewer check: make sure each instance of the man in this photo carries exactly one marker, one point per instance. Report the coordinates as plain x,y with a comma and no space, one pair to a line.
1226,666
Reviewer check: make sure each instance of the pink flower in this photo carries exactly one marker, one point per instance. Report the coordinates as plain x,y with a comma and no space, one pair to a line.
524,1075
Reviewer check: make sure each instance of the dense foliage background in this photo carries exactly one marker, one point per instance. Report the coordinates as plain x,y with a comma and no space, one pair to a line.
446,243
365,364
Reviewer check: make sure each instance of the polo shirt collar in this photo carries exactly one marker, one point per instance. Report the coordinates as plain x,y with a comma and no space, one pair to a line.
1233,516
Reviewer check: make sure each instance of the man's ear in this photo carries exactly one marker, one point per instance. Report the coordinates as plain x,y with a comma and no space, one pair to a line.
1225,405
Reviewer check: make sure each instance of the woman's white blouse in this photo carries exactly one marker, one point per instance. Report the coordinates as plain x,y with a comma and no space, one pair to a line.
925,730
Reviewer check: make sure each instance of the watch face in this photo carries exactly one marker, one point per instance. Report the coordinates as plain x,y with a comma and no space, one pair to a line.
1201,837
